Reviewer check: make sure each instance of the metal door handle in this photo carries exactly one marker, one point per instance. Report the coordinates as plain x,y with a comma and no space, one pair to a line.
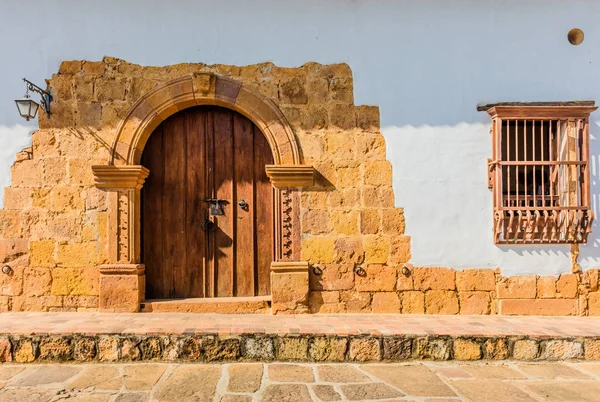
243,204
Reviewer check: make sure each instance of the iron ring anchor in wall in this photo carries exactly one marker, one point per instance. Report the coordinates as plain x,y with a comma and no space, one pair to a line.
360,271
317,270
7,270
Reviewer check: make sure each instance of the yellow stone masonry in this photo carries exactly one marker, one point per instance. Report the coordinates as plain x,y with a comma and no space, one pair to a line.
57,228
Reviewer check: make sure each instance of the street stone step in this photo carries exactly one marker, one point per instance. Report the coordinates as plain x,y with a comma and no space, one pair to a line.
88,337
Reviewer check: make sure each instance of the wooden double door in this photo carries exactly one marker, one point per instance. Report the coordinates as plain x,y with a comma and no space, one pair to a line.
207,207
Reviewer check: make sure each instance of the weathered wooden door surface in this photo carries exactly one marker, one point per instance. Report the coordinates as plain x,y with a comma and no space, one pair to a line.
198,154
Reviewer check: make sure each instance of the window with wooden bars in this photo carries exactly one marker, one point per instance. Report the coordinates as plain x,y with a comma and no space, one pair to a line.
539,172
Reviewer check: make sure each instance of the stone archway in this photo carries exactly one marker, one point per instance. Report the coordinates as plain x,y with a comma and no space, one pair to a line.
122,281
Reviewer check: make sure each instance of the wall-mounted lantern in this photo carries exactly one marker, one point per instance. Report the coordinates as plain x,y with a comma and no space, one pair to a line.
28,107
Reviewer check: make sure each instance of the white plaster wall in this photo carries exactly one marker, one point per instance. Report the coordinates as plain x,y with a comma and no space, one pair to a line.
426,63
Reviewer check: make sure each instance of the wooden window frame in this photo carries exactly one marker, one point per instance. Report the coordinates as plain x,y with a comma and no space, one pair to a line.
567,217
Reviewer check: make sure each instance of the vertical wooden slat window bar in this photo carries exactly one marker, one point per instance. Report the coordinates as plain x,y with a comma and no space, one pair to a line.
539,172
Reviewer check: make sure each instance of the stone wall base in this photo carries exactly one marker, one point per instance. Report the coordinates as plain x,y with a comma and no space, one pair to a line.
122,287
312,348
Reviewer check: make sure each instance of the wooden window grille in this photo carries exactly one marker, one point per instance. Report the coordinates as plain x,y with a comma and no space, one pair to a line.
539,172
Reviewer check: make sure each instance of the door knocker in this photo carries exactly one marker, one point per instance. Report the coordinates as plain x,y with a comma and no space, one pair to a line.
243,204
216,206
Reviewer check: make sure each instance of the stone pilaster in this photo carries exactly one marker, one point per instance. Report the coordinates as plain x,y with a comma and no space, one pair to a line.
122,287
289,287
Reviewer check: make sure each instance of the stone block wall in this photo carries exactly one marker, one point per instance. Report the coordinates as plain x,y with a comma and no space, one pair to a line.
55,229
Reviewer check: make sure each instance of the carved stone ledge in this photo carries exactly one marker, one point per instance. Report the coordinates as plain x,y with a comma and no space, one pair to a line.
290,176
289,266
129,177
122,269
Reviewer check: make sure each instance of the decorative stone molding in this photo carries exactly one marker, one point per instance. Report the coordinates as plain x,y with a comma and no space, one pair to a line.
196,90
289,287
290,176
112,177
122,287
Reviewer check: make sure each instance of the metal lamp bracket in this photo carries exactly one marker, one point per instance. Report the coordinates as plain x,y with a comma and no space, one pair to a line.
46,97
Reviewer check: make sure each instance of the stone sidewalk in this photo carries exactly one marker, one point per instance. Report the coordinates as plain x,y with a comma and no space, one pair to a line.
297,382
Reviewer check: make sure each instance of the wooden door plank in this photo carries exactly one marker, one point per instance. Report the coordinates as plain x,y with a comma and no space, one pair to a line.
174,199
195,125
223,235
243,178
264,217
152,213
209,178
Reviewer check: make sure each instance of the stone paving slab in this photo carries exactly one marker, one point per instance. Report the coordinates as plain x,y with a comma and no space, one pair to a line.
416,381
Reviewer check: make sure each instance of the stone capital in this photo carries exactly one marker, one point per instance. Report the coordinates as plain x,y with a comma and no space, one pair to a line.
128,177
122,269
291,176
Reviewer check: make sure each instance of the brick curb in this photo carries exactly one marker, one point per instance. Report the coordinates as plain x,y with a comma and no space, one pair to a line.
306,348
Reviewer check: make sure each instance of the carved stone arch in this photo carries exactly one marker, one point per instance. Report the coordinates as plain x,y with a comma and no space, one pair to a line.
124,177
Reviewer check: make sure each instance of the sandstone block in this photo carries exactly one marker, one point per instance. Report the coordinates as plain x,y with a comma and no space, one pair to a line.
496,349
348,176
110,89
55,348
393,221
433,348
441,302
356,302
593,276
108,349
151,348
377,249
370,221
341,116
83,88
289,291
365,349
367,117
130,350
594,303
245,377
93,67
433,279
316,222
413,302
171,347
293,91
333,277
37,281
344,222
282,392
378,173
546,287
318,250
591,347
17,198
41,253
11,224
54,171
404,282
346,198
339,145
370,146
70,67
348,250
566,286
538,307
5,350
562,350
476,279
84,349
328,349
525,349
474,302
466,349
74,281
378,278
517,287
400,249
397,349
326,393
385,303
191,348
258,348
80,171
314,200
292,348
25,351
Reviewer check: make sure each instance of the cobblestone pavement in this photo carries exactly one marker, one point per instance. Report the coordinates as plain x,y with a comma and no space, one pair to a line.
297,382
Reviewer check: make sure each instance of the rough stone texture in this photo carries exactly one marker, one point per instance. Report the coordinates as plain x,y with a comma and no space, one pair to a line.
517,287
259,348
143,377
25,351
496,349
526,349
562,350
386,303
190,383
434,279
217,349
108,349
292,349
441,302
104,378
328,349
397,349
433,348
341,373
55,348
538,307
494,390
245,378
360,392
465,349
5,350
476,279
365,349
592,349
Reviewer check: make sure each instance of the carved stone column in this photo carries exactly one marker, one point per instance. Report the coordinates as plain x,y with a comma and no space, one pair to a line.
122,282
289,277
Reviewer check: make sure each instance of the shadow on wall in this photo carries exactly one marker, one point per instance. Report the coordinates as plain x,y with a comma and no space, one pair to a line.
13,140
